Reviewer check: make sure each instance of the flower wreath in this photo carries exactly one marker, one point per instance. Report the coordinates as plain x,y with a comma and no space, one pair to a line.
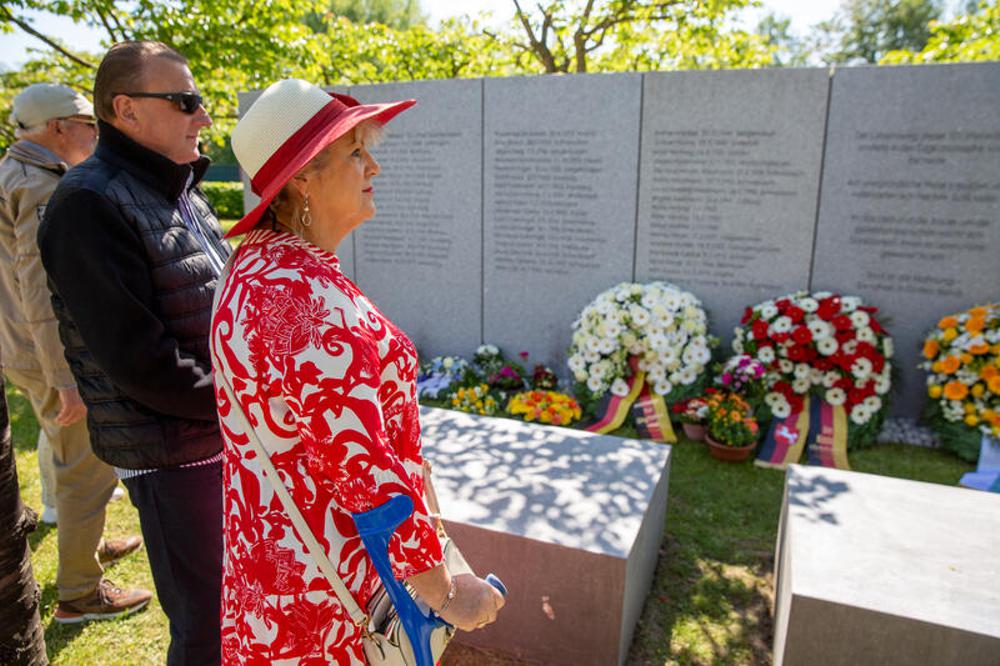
962,358
826,345
658,328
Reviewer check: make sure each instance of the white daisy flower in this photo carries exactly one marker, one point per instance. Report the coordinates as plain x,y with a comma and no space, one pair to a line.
809,304
765,355
820,329
849,303
801,371
772,398
860,318
785,365
595,384
815,376
861,368
872,404
820,295
580,375
882,385
830,378
663,387
866,334
738,346
608,346
591,356
835,396
827,346
768,311
782,324
619,387
782,409
860,414
850,346
801,386
576,362
687,376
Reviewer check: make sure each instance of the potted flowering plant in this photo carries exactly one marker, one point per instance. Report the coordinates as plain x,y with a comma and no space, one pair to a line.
692,414
743,374
731,429
549,407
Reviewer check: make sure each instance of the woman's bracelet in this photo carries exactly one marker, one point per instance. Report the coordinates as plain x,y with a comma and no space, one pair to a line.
447,600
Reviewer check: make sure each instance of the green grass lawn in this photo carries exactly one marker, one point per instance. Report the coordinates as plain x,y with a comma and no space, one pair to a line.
710,600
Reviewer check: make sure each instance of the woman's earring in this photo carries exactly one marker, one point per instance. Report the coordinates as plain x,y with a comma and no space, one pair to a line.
305,219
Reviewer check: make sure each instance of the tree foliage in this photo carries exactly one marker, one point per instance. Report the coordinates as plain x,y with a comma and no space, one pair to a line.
866,30
614,35
971,37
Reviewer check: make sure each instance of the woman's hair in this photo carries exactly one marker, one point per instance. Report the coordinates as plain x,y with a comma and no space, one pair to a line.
122,70
286,205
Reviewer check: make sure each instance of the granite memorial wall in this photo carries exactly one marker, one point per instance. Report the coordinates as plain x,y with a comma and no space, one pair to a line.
506,205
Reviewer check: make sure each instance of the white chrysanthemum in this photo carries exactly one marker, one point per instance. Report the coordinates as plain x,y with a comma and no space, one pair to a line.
599,370
782,324
591,356
785,365
619,387
861,368
608,346
836,396
687,376
815,376
809,304
860,414
765,355
820,295
801,386
850,346
663,387
872,404
595,384
738,346
768,311
888,348
772,398
849,303
860,319
612,329
576,362
671,300
640,316
580,375
801,371
830,378
820,329
781,409
882,385
827,346
866,334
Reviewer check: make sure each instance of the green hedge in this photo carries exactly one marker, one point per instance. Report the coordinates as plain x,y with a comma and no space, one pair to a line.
226,198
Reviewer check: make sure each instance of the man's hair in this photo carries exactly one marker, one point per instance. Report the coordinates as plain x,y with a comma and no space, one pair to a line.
122,70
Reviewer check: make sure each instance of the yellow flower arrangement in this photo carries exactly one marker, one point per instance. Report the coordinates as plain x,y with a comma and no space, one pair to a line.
545,407
962,358
475,400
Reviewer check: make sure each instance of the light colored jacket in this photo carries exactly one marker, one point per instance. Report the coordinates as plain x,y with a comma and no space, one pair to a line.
29,334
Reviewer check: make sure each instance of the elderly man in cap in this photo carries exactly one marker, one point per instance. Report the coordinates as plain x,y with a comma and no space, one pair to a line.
55,130
133,252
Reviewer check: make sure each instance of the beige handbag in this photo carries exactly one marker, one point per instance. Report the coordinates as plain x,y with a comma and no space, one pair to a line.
385,641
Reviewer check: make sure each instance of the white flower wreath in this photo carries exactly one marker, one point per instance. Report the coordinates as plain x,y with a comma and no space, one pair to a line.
663,327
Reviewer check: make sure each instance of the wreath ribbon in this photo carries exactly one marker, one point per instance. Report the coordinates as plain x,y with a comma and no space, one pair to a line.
652,418
820,429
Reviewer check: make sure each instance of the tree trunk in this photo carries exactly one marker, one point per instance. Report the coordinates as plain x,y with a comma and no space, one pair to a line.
22,642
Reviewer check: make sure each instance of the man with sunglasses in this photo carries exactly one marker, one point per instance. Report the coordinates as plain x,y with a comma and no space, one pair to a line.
133,252
56,130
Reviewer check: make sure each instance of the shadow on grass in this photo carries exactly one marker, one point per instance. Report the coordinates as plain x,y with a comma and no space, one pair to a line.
41,533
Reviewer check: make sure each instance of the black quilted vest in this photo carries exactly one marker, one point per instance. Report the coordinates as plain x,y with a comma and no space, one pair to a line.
124,432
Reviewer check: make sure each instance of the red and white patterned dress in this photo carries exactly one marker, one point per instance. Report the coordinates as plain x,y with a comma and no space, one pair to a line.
329,384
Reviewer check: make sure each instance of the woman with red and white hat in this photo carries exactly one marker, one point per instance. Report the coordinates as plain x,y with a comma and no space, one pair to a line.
328,383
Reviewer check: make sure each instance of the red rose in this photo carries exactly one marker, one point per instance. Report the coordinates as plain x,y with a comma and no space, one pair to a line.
842,323
760,329
802,335
746,315
829,307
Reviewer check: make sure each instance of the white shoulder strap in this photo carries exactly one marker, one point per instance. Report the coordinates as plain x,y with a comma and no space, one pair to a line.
358,616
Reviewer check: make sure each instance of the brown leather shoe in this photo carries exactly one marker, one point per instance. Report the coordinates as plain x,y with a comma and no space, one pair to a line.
104,603
116,549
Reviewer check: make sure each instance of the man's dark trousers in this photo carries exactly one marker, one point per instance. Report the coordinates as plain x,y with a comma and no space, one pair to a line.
180,512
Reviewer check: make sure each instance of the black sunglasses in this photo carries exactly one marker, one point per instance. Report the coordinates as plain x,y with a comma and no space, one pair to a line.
188,102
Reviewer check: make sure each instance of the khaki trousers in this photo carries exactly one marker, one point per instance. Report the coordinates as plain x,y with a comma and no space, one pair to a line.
83,487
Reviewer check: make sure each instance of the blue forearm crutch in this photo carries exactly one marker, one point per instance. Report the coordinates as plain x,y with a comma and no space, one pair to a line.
375,527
